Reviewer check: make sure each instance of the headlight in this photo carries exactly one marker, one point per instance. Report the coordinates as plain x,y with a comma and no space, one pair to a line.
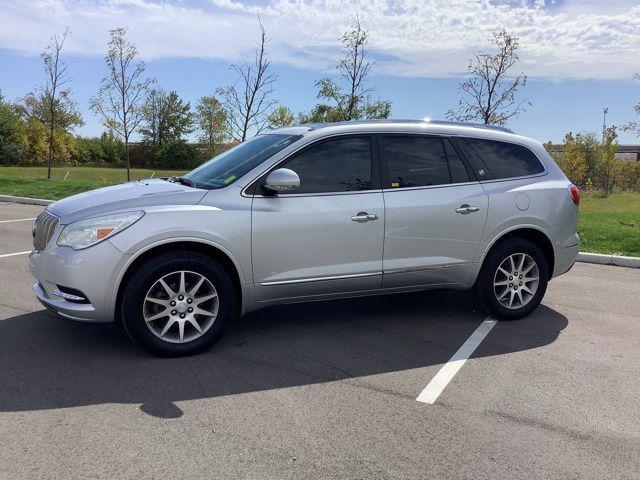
88,232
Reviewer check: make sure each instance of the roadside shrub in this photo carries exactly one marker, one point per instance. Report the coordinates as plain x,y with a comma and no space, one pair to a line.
592,165
106,151
176,156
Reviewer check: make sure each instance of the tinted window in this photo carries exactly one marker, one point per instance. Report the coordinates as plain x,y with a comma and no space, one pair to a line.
415,161
340,165
505,160
227,167
457,169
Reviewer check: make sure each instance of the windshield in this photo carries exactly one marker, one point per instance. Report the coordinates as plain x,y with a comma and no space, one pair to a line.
229,166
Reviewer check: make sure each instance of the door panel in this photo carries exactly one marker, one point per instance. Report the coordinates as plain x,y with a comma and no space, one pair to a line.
435,214
426,241
300,244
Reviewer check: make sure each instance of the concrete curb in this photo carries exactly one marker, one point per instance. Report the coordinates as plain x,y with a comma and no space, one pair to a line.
25,200
618,260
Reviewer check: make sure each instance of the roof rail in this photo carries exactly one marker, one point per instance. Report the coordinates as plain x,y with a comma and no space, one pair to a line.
316,126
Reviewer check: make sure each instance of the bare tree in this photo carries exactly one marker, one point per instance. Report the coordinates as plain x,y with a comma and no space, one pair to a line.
122,92
633,127
54,97
249,102
489,94
354,98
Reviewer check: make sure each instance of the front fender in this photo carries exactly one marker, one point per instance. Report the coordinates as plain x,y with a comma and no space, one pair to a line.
226,230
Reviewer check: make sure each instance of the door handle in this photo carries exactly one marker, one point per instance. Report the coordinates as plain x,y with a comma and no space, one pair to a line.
363,217
465,208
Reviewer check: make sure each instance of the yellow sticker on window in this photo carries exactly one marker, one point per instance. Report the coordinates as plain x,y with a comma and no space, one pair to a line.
395,184
230,179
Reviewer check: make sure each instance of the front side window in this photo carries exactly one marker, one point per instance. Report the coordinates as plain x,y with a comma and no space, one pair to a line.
415,161
229,166
504,160
338,165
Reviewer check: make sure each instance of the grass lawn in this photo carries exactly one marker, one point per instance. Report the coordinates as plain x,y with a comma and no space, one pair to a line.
610,224
606,224
31,181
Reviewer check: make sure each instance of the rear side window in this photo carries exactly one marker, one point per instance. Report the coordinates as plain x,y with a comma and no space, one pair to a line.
340,165
504,160
415,161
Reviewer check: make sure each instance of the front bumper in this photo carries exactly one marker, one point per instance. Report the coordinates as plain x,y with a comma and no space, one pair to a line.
94,272
75,311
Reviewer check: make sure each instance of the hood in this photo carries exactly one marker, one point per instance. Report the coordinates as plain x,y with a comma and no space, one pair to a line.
127,196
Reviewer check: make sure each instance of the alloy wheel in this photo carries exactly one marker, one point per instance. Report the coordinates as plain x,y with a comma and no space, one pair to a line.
181,306
516,281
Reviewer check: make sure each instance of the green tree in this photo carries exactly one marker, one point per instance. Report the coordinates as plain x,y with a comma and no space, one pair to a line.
349,98
489,94
281,117
608,167
122,91
63,117
211,119
167,118
13,140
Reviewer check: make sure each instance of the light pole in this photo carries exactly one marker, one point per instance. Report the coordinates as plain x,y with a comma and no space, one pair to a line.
605,110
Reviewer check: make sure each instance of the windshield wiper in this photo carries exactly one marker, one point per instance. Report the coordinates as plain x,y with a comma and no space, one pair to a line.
183,180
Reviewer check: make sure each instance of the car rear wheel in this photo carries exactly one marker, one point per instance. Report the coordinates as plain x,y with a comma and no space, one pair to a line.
513,279
178,303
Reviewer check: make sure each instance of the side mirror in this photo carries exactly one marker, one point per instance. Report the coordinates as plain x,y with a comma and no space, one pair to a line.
282,179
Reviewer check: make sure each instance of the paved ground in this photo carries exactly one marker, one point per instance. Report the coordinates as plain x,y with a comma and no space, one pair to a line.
327,390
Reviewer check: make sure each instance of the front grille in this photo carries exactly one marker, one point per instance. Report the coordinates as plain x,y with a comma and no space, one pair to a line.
43,230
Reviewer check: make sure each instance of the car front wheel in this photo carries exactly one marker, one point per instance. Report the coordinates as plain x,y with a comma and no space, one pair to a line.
178,303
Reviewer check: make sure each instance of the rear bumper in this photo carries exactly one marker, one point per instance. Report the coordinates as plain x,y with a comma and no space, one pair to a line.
565,258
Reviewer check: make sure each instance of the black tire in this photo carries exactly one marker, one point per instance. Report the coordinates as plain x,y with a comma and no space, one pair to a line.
485,296
144,278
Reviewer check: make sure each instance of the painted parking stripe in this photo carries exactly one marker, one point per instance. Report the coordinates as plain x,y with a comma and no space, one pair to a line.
436,386
18,220
14,254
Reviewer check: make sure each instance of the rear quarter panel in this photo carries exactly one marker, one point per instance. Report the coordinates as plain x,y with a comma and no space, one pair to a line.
541,202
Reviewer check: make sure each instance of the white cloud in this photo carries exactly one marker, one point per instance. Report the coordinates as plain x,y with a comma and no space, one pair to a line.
409,37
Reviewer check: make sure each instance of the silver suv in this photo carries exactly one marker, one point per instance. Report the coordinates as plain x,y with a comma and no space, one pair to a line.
311,212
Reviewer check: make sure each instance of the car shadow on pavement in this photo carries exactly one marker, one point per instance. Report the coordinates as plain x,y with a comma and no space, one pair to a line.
47,362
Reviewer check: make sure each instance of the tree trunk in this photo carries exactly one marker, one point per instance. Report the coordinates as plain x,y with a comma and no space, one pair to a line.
51,132
126,154
50,161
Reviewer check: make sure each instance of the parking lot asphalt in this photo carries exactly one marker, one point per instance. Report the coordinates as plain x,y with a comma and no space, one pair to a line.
327,390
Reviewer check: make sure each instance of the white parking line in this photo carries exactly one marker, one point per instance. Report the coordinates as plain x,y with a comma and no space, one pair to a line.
432,391
14,254
18,220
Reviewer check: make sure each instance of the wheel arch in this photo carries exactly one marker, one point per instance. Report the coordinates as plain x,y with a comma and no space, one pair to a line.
534,235
224,258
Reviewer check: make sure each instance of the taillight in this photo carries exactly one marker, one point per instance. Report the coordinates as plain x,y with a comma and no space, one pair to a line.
575,194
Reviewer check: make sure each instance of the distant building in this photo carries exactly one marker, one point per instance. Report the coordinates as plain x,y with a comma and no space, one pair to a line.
630,153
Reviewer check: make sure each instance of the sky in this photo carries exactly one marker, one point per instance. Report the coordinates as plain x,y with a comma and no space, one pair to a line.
579,55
